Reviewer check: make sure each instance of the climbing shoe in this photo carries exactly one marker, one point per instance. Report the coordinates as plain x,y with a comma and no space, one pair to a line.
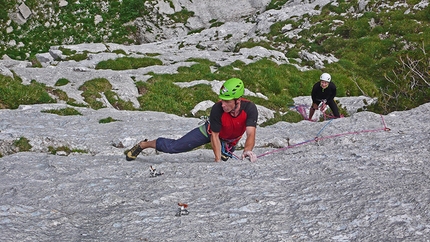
134,152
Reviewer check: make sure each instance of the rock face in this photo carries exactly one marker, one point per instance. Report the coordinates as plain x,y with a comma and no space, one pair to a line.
356,181
204,13
21,15
360,178
365,178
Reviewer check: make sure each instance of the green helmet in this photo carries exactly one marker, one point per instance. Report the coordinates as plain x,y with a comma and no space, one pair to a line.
232,89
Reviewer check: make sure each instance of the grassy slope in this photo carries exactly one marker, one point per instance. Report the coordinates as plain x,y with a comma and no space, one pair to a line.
370,56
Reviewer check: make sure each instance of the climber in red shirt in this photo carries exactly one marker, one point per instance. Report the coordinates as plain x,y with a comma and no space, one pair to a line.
229,119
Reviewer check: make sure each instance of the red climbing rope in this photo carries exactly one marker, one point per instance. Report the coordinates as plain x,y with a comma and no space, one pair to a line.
316,139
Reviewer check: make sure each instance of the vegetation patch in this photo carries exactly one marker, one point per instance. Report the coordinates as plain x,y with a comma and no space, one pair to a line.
276,4
216,24
290,116
23,144
78,56
63,111
92,90
95,88
107,120
35,62
62,82
181,16
65,149
13,93
125,63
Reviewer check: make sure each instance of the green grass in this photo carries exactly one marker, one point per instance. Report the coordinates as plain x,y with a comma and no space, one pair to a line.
78,56
290,116
23,144
107,120
125,63
63,111
181,16
62,82
164,96
279,82
13,93
67,150
276,4
92,90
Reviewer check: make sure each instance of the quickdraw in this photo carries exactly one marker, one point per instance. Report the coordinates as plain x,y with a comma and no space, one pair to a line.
182,210
154,173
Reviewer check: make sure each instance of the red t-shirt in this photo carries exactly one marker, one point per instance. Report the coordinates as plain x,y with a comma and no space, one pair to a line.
232,128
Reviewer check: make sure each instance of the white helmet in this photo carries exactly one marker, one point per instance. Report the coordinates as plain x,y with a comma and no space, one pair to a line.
325,77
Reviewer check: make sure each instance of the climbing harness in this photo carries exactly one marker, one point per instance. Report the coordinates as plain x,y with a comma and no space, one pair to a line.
226,148
227,151
323,109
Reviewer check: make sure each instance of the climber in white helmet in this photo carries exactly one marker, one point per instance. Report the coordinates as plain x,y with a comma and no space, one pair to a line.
324,91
